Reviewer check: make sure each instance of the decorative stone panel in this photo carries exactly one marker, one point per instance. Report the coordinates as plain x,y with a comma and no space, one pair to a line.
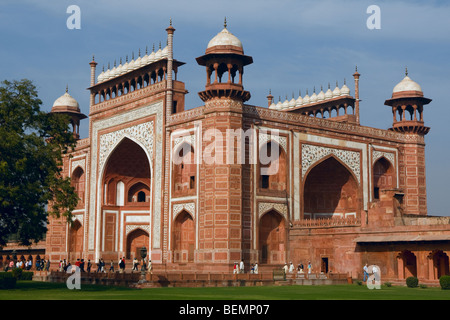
311,154
378,154
264,207
142,132
266,137
131,227
78,163
189,207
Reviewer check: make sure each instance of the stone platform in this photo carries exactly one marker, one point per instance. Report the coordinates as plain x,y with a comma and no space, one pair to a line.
154,280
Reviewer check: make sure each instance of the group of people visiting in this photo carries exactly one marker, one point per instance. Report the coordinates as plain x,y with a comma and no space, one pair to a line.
240,267
27,264
300,268
101,265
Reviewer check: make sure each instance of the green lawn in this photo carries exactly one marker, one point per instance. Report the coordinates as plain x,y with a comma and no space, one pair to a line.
29,290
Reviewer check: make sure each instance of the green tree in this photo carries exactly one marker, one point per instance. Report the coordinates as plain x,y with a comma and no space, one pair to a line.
32,146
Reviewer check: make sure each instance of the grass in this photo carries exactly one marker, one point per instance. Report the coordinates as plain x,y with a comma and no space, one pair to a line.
29,290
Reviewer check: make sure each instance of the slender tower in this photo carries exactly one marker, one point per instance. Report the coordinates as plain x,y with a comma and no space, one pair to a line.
169,99
356,76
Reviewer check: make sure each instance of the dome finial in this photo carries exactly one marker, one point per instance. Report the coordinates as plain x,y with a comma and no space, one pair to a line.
67,88
170,21
225,23
406,71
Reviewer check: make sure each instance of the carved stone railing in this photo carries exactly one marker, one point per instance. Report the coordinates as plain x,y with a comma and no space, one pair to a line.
328,222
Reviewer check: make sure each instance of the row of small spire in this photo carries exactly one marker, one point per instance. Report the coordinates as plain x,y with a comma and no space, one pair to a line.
116,71
306,100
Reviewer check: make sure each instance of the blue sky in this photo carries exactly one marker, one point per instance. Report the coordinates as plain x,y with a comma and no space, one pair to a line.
295,45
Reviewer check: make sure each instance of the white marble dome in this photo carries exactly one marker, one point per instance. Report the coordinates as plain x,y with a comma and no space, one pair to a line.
225,38
407,84
66,100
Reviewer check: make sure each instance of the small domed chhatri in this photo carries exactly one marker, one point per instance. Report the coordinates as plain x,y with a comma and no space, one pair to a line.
66,104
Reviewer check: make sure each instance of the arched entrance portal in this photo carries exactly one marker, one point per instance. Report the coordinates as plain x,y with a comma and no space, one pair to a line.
184,238
330,190
126,197
272,238
135,241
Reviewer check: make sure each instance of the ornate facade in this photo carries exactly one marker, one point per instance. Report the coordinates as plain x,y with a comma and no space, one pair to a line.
190,186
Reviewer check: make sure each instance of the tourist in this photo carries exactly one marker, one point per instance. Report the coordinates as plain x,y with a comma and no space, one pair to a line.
111,268
256,268
291,267
82,265
135,264
366,273
99,265
89,265
252,269
122,265
241,266
285,268
309,267
150,267
47,266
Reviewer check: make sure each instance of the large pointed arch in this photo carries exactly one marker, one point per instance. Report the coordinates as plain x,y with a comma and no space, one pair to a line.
330,189
126,164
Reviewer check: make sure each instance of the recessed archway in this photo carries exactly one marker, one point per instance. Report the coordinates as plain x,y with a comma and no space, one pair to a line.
184,238
273,175
78,182
135,241
76,240
330,190
383,176
272,238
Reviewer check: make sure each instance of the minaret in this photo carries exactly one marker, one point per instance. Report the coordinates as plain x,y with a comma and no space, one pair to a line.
169,98
269,98
226,188
407,103
93,65
356,76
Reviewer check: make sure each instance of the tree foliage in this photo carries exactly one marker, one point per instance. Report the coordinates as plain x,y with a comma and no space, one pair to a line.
32,146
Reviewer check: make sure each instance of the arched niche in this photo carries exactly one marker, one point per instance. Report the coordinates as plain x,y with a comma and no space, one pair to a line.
383,176
273,167
184,170
184,238
272,238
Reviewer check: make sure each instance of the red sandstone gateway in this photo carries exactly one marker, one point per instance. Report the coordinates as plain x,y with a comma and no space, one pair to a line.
343,194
